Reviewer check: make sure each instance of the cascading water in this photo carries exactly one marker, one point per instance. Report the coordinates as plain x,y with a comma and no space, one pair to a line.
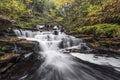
58,65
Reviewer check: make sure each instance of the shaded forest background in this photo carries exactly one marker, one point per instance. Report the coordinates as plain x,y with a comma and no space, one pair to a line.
97,17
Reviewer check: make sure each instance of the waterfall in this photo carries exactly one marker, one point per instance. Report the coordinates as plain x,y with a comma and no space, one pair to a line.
57,65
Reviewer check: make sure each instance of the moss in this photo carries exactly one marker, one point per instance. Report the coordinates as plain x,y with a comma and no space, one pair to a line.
2,48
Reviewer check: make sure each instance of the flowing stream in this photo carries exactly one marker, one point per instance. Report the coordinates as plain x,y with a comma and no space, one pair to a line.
61,64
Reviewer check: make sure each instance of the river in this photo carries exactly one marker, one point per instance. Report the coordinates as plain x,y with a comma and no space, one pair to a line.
57,62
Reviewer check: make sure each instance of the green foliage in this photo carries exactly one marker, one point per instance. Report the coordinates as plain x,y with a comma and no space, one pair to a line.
100,30
89,12
16,10
13,9
73,14
94,10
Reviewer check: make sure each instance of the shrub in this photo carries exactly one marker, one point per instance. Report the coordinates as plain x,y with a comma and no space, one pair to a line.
107,30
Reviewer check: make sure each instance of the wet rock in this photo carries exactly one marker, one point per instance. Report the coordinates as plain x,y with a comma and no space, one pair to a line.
17,45
101,45
8,56
73,50
14,50
7,60
5,68
106,46
23,68
105,51
82,50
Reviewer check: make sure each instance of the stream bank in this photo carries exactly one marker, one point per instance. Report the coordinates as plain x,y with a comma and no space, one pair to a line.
102,45
12,49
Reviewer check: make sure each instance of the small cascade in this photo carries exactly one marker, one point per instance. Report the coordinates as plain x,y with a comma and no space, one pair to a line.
17,32
66,40
15,48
